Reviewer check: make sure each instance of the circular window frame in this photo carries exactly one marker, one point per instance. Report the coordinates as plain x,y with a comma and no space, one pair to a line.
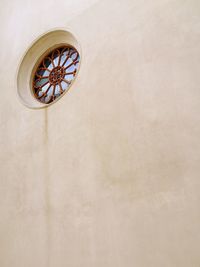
33,57
39,61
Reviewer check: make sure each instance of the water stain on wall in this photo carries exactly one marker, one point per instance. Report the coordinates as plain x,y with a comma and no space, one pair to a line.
47,188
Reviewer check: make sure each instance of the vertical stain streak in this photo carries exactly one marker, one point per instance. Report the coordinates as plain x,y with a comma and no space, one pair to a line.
47,188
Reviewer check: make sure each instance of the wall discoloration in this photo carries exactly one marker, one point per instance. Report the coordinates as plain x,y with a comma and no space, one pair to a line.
47,185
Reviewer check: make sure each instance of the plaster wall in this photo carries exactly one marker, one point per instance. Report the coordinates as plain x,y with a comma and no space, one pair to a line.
109,175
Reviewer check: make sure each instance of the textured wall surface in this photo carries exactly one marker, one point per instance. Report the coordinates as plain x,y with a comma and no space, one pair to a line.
109,175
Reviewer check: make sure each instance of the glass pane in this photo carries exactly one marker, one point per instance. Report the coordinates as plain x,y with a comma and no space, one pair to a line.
41,82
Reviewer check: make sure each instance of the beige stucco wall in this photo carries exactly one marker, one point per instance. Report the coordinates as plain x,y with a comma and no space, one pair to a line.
109,175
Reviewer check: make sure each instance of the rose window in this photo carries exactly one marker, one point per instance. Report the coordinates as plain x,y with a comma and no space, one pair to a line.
55,73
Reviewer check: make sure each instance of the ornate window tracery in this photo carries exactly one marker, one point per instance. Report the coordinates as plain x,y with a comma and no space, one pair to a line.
55,73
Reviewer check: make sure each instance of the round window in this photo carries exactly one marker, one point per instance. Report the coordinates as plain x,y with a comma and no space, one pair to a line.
55,73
